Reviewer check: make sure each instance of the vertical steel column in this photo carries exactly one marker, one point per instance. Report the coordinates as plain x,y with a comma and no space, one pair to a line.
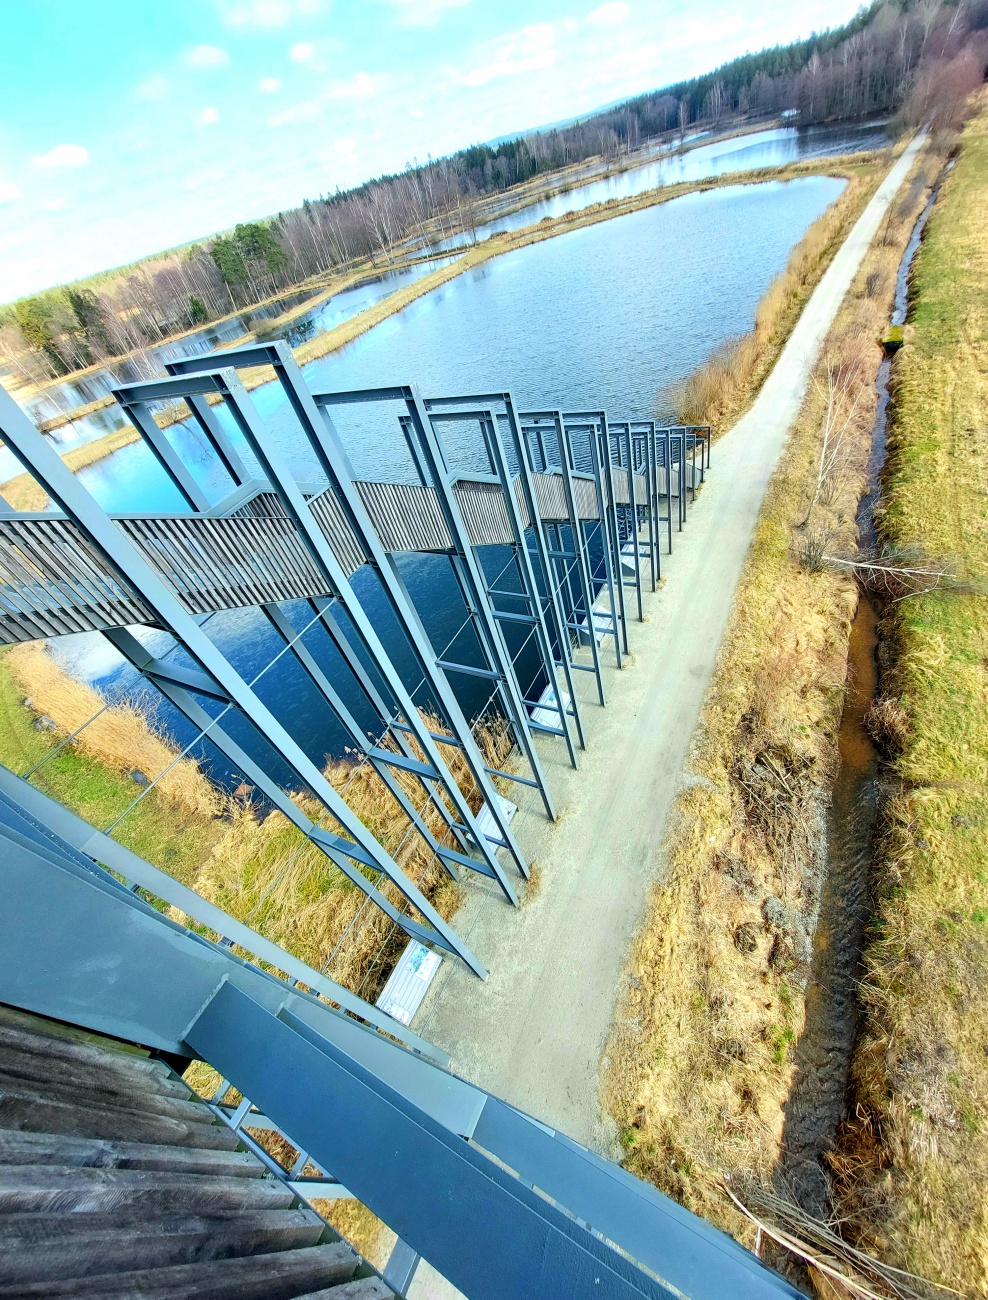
633,514
580,559
129,397
643,441
496,452
571,424
458,409
497,649
322,437
604,445
218,675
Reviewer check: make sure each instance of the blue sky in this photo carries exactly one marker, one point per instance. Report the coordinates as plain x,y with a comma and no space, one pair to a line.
129,127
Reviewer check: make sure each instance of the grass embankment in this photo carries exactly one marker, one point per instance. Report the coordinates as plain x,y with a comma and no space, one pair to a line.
176,825
915,1159
701,1054
861,170
258,868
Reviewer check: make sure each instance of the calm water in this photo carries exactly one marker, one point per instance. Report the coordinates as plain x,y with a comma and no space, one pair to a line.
339,308
608,315
773,148
744,153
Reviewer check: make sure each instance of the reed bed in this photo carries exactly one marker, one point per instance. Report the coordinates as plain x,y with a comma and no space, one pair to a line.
718,391
123,736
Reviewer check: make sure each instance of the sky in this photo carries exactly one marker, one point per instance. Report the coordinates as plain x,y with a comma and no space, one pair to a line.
127,128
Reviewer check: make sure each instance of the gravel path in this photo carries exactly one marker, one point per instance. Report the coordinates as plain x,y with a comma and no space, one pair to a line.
535,1031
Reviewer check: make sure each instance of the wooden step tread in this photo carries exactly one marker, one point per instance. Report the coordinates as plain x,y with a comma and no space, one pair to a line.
283,1275
55,1247
15,1061
51,1189
41,1027
87,1051
364,1288
25,1148
137,1101
30,1114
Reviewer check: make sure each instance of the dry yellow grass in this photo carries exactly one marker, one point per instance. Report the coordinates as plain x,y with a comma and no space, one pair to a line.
123,736
718,391
700,1058
914,1164
265,873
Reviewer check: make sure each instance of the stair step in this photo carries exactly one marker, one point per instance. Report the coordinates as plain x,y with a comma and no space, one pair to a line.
122,1064
89,1074
364,1288
28,1113
280,1276
44,1247
137,1101
70,1036
20,1148
53,1189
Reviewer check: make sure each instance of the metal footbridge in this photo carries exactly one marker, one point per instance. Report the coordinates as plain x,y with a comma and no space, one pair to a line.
575,512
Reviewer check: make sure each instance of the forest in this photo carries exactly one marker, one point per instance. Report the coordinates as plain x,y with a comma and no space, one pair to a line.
905,58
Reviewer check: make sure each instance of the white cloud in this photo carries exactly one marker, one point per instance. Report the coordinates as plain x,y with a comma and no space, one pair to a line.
302,52
423,13
266,13
206,56
345,146
532,49
152,88
9,192
609,15
208,116
55,205
63,155
361,86
269,85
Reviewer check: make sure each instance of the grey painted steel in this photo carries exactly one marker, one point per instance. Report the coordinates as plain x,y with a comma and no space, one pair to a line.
81,947
79,834
314,537
385,1123
318,429
431,463
692,1256
523,509
61,485
507,1240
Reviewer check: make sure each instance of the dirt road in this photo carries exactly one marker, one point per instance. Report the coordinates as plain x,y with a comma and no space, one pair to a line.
535,1031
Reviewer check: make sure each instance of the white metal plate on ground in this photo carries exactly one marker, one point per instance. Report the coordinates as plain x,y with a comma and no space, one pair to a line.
546,714
603,623
486,823
402,996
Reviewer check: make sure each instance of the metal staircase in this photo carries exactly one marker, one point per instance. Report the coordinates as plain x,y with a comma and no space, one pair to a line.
116,1180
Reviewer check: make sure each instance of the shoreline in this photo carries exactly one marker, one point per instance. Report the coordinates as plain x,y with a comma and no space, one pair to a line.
23,494
535,190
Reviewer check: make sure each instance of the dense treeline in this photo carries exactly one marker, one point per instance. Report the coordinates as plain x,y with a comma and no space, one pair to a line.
918,58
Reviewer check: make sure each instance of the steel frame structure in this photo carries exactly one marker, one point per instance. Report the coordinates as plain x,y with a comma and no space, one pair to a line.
216,679
546,472
538,1217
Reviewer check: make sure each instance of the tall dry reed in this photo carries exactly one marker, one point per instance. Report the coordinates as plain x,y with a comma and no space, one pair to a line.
124,736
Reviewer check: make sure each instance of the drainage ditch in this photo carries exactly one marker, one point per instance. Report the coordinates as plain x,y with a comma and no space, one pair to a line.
816,1104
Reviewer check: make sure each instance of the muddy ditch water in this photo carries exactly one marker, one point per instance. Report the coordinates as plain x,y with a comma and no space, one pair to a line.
816,1104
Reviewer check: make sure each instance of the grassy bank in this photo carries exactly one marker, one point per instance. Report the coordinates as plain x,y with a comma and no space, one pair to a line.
861,170
176,825
915,1159
257,867
700,1061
